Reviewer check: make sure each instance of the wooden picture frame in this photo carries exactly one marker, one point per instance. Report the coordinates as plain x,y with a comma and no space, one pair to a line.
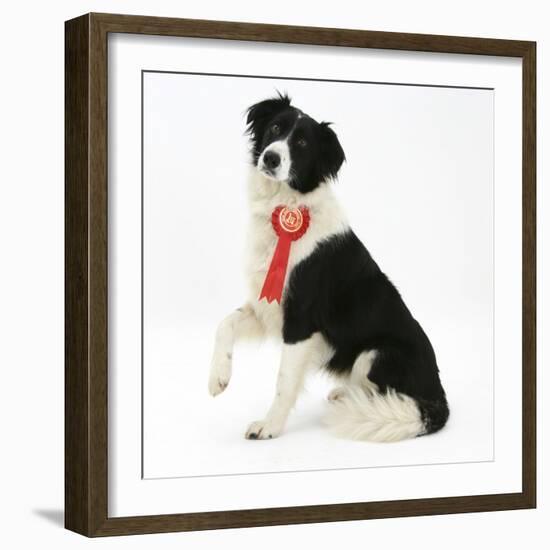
86,280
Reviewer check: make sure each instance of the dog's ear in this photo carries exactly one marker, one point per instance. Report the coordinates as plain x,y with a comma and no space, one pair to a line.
259,114
332,154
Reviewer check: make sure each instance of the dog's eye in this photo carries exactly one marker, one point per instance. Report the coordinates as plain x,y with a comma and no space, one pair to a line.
302,142
276,129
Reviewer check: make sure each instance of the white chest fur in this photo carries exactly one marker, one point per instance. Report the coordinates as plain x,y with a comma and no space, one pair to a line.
326,220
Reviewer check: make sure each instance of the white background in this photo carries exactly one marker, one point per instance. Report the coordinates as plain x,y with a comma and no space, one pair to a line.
32,276
419,196
128,495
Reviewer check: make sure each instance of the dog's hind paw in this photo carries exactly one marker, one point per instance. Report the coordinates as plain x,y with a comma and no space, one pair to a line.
336,394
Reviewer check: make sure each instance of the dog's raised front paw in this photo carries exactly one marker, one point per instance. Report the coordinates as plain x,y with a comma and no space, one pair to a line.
220,374
263,429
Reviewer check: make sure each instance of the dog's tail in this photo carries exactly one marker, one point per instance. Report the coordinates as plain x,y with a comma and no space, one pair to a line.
384,417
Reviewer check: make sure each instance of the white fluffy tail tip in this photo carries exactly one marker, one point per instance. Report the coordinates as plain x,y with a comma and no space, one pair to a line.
380,417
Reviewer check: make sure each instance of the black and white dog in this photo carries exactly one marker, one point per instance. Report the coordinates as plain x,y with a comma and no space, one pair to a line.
338,310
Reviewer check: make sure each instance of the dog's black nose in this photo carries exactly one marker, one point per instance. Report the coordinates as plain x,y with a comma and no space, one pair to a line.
271,160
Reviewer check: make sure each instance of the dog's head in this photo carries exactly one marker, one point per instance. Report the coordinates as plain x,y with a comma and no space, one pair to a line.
289,146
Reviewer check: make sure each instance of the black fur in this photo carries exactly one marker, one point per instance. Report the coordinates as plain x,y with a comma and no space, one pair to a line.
316,152
340,291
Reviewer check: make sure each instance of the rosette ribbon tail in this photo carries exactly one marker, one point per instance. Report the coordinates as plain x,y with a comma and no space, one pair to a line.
289,225
275,278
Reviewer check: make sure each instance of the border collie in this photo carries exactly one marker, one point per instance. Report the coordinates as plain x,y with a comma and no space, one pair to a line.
338,311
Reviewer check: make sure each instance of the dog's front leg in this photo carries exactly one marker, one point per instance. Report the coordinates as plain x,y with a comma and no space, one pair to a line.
241,324
296,359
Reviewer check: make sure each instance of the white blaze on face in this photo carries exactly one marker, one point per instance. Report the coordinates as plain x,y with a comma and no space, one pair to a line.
282,171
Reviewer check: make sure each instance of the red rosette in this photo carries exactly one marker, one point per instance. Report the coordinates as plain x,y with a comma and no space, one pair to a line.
293,222
289,224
